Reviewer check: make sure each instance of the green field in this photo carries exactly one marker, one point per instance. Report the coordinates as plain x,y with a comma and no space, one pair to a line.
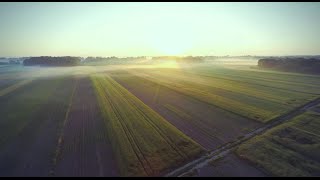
209,125
144,142
291,149
254,101
148,120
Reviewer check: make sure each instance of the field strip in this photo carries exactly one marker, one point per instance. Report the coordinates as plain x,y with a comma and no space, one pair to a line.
259,84
232,86
224,150
60,139
197,124
14,87
144,142
261,74
131,138
136,101
227,104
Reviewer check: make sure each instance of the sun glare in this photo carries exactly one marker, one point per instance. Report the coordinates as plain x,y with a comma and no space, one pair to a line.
168,64
173,41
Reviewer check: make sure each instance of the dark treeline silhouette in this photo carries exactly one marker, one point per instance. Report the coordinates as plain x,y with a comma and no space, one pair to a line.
300,65
52,61
112,60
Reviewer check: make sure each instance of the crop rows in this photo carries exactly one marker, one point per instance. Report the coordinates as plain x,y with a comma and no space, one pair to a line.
201,94
260,91
208,125
28,135
144,143
85,149
275,80
253,102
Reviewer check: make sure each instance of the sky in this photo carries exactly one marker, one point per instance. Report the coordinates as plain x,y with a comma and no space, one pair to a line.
153,29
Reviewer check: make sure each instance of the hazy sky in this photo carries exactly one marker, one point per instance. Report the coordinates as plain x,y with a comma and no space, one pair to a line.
133,29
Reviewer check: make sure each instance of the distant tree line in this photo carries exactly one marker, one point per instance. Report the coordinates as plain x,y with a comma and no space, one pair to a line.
52,61
301,65
112,60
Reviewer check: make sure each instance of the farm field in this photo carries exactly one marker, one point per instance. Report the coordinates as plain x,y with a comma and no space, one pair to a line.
257,102
30,119
145,143
208,125
146,120
229,166
85,148
159,90
290,149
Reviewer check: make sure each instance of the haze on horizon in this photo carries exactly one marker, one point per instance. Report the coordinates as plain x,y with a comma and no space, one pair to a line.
152,29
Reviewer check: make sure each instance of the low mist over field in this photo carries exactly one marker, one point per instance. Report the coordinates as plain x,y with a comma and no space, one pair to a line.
159,89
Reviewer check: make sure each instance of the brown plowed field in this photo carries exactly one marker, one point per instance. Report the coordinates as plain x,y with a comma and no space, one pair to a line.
28,149
86,150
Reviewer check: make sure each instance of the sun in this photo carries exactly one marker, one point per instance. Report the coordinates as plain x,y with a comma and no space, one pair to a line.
172,46
168,64
173,42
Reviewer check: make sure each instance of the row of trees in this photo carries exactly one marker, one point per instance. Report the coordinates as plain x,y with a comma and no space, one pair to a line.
112,60
302,65
52,61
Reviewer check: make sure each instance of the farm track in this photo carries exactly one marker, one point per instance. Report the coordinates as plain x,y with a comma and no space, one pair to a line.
226,149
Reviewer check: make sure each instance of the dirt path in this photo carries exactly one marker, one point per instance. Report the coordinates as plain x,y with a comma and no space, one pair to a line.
226,149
